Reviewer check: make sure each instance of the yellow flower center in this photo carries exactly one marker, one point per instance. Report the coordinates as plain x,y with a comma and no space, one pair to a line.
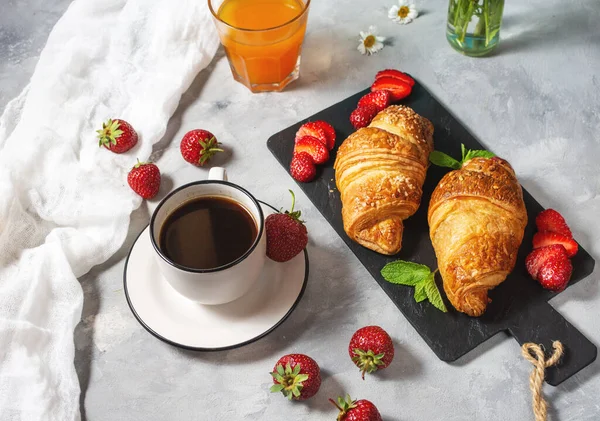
403,12
369,41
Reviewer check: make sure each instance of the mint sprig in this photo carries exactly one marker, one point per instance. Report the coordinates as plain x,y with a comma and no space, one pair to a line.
416,275
444,160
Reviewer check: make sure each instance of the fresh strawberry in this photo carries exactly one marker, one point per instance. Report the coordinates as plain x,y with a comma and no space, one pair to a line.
353,410
379,99
397,88
371,349
314,129
297,376
198,146
396,74
117,136
539,256
546,238
362,116
314,147
555,274
286,234
551,220
302,167
329,131
144,179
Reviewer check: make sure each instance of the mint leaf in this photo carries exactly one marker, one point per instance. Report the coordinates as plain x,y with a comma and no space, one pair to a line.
433,293
405,273
418,276
442,160
420,293
477,154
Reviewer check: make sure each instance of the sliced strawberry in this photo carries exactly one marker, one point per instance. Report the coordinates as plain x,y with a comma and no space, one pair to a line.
362,116
379,99
555,274
397,88
314,147
302,167
539,256
397,74
546,238
329,132
551,220
312,129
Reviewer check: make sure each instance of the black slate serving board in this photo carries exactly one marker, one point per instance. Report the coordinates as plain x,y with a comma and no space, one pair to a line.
519,305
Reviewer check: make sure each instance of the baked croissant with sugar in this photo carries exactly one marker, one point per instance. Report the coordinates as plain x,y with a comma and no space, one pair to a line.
380,171
477,218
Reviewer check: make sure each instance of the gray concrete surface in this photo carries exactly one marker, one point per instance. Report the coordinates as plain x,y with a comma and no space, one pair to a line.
535,102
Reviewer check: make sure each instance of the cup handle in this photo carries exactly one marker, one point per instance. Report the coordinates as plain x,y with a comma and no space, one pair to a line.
217,173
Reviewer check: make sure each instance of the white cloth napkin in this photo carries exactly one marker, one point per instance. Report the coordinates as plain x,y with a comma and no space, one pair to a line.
64,202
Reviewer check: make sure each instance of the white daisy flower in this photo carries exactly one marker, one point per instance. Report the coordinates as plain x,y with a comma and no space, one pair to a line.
370,43
404,13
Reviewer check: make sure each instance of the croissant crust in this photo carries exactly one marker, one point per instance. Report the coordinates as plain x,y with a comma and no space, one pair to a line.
477,218
380,172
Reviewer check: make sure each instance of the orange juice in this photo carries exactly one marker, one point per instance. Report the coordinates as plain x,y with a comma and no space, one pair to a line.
262,39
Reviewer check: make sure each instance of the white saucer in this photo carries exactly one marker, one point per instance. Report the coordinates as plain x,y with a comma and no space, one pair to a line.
184,323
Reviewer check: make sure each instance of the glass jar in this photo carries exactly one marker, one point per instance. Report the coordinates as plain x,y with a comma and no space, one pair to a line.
473,26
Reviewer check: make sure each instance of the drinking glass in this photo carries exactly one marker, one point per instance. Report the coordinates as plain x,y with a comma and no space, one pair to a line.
262,40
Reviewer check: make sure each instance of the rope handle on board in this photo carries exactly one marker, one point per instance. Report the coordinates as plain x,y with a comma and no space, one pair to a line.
535,355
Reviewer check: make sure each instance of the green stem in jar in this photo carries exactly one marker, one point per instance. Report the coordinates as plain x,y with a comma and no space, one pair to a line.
467,19
486,15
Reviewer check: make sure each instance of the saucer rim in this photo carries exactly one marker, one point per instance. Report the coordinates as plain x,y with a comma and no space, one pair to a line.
223,348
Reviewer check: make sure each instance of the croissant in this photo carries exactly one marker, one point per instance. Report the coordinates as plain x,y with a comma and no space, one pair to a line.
476,223
379,171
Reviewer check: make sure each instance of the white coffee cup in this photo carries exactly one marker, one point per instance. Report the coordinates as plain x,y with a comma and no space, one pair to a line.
225,283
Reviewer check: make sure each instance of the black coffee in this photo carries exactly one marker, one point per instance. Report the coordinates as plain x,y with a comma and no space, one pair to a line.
208,232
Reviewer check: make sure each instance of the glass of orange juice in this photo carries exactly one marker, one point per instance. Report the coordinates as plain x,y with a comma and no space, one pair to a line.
262,39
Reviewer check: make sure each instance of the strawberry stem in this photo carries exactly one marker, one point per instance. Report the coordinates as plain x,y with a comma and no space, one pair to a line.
343,405
139,164
289,380
294,214
336,405
208,149
109,133
368,361
293,201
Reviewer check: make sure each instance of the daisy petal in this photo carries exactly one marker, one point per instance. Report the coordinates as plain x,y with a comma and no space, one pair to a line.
393,12
376,47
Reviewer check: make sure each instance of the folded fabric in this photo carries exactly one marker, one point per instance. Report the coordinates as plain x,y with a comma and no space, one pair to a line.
64,202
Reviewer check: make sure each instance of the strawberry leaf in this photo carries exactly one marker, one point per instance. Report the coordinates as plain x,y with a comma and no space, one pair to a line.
301,378
277,388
